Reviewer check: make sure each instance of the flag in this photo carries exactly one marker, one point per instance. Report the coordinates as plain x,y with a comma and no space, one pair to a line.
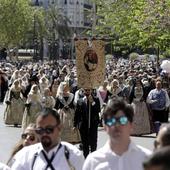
90,63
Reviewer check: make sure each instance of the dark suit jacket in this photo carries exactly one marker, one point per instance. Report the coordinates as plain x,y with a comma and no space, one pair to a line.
81,119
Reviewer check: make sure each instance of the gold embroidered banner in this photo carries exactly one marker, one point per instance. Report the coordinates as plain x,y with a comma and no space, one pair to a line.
90,63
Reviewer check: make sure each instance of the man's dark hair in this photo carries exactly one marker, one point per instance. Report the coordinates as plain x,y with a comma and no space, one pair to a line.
48,111
115,105
166,136
160,158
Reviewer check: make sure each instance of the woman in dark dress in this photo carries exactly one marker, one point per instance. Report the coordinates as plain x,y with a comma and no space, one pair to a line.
3,86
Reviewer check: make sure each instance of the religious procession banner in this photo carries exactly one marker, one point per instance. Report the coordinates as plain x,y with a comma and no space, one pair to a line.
90,63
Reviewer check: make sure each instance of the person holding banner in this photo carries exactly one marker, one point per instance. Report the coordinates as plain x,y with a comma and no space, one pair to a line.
87,120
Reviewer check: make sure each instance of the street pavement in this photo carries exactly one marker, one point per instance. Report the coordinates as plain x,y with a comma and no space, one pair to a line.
10,135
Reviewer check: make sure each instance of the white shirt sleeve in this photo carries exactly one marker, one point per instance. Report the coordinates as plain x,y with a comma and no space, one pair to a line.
20,161
76,156
76,97
167,99
88,164
4,167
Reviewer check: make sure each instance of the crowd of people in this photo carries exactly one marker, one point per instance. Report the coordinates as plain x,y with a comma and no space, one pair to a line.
46,99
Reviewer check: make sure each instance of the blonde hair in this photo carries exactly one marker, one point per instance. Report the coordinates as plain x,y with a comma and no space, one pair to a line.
31,126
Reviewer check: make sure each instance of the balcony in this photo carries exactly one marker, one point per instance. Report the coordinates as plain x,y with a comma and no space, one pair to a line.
87,24
88,6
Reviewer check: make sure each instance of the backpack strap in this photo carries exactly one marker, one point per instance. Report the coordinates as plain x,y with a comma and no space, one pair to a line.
67,155
33,162
49,161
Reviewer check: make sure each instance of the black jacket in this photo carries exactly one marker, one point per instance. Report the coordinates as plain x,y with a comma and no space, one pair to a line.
81,119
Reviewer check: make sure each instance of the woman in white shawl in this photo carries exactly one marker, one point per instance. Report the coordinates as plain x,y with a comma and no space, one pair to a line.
103,93
14,105
64,105
16,75
115,88
48,100
33,106
43,83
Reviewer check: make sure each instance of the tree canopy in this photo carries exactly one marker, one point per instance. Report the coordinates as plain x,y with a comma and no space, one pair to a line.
22,22
144,23
56,23
16,19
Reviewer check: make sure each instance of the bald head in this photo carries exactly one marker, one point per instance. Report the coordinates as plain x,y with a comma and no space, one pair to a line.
163,138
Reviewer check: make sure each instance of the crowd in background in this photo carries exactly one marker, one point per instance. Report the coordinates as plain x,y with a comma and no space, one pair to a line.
28,88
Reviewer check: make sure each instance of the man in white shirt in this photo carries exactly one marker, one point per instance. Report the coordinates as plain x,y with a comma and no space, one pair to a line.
159,102
51,153
119,153
163,137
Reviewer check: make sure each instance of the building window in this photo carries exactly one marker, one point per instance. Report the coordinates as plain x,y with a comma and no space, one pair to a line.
71,2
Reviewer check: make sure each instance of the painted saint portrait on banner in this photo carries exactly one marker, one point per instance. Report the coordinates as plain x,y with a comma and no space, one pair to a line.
90,60
90,63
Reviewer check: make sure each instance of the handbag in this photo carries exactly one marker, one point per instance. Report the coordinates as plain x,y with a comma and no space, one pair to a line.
76,136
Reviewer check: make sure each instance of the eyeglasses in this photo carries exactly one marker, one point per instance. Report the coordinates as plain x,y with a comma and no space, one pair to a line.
47,130
31,136
123,120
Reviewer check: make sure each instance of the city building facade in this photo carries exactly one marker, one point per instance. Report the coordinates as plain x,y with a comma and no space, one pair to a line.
80,14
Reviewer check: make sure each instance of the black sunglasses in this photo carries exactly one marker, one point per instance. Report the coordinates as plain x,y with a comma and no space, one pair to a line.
25,135
47,130
122,120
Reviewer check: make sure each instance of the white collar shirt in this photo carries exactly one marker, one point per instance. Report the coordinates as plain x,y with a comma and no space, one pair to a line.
85,99
106,159
24,159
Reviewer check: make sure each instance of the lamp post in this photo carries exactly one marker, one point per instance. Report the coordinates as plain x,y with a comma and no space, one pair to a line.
35,37
56,49
93,20
36,3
